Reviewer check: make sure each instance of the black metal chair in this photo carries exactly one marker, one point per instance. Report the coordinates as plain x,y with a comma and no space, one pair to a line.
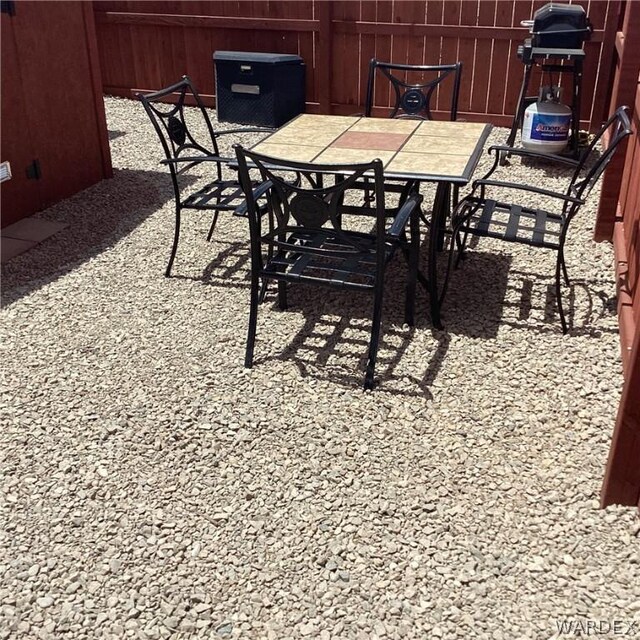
302,239
184,148
413,99
481,215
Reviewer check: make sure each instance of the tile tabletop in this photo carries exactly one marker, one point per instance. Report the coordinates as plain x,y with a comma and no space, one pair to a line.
412,149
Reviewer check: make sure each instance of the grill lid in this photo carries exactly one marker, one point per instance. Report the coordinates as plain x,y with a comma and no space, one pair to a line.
559,25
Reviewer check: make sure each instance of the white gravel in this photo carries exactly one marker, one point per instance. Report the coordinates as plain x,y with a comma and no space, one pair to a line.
154,488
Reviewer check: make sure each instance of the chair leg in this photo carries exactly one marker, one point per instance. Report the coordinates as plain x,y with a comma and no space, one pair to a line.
455,198
375,337
445,284
414,248
563,322
461,245
174,248
447,204
564,267
282,295
263,292
212,227
253,321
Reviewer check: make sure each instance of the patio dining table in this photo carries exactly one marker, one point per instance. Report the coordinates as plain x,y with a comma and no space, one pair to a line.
444,153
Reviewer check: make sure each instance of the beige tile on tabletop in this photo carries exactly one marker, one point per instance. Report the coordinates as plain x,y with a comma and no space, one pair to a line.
438,144
385,125
353,156
453,129
312,120
295,153
309,137
428,163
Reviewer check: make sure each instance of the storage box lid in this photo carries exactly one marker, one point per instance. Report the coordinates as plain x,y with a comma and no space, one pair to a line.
252,56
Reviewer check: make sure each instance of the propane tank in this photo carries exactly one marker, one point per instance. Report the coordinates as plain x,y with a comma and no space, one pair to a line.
546,123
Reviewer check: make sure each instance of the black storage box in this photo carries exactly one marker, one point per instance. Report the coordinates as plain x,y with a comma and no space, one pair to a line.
560,26
265,89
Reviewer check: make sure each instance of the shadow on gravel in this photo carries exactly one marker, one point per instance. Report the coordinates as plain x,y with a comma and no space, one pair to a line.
486,294
586,303
333,343
230,269
475,302
97,219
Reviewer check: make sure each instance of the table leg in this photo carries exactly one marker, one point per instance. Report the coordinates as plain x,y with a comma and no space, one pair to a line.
438,220
447,213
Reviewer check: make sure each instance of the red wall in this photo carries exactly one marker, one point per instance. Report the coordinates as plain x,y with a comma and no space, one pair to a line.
52,108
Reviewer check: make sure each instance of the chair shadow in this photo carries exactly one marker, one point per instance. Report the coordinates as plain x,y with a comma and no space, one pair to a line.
475,300
501,296
337,324
332,343
587,309
97,218
230,269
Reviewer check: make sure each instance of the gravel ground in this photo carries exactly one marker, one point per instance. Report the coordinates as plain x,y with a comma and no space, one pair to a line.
154,488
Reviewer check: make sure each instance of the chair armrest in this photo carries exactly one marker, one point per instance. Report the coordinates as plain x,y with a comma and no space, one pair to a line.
497,148
400,220
526,187
252,130
195,160
258,192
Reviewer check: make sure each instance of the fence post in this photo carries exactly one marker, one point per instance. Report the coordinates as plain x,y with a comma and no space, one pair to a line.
624,92
606,73
324,54
622,477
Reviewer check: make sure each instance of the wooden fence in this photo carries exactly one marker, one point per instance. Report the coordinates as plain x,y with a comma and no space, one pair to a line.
619,219
148,45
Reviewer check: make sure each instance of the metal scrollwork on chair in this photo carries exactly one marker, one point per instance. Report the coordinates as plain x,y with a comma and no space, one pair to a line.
413,99
184,150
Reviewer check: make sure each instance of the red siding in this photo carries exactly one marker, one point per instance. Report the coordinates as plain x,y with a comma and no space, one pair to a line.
52,107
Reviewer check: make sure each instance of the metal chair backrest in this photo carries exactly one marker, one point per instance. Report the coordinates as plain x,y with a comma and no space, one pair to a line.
588,171
294,207
177,132
413,99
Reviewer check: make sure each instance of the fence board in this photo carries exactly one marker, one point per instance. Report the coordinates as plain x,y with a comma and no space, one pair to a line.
466,52
384,13
500,60
367,45
481,71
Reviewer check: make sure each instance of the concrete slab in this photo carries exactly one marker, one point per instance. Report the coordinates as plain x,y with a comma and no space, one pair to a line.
32,229
11,247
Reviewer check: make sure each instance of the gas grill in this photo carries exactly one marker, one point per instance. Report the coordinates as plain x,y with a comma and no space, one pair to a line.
559,26
558,33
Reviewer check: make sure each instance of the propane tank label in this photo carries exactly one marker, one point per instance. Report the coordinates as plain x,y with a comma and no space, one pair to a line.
549,128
